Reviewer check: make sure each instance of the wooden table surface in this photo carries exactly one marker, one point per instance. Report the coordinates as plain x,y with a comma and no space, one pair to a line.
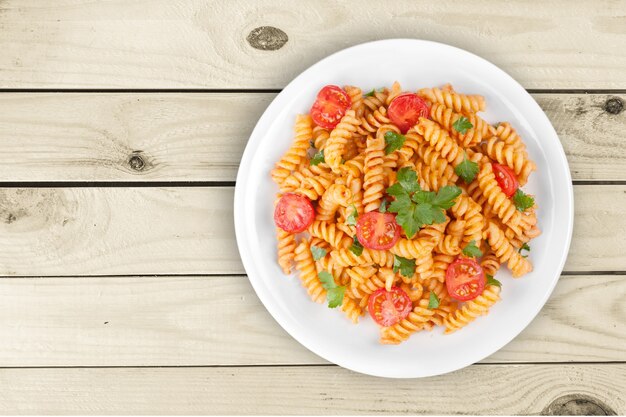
122,124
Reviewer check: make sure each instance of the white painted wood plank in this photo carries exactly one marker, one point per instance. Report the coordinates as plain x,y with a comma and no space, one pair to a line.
201,137
197,44
494,389
174,321
189,230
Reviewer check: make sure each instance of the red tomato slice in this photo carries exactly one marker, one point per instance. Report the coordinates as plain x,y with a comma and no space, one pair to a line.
506,179
406,109
294,213
389,307
330,106
378,231
465,279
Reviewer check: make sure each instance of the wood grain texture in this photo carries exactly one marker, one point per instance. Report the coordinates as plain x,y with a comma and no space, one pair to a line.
186,321
189,230
197,44
201,137
498,389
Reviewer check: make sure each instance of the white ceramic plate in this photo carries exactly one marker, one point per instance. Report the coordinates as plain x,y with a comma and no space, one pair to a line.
326,332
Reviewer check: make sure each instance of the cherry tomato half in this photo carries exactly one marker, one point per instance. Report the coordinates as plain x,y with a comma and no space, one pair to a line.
389,307
465,279
406,109
294,213
330,106
506,179
378,231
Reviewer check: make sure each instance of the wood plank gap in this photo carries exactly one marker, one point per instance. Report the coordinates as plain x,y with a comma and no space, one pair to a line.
297,365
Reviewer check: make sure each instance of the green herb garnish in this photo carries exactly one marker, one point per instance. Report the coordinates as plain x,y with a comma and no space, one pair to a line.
334,293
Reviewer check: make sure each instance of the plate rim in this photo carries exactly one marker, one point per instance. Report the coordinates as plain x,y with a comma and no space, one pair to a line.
246,256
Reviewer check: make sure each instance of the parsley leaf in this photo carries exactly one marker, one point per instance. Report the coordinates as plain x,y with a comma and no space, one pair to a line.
393,141
407,178
356,247
415,207
371,93
334,293
472,251
445,196
318,157
383,206
524,247
404,265
466,169
318,253
351,219
522,200
462,125
433,301
492,281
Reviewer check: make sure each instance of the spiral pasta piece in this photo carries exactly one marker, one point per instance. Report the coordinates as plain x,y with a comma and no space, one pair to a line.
508,135
505,252
414,290
496,199
286,249
446,117
472,309
468,210
373,183
441,141
375,99
436,162
351,308
395,91
356,98
371,121
370,285
328,264
360,274
449,245
490,263
339,137
412,248
440,266
330,233
297,152
320,136
414,322
336,195
507,155
460,103
345,257
308,272
314,187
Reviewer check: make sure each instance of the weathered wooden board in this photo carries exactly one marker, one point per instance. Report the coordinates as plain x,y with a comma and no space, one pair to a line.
198,44
494,389
189,230
174,321
201,137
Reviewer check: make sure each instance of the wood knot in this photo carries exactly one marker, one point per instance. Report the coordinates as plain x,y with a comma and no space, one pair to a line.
267,38
614,105
136,163
577,405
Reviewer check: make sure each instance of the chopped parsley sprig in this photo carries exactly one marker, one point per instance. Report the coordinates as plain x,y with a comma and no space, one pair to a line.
415,207
334,293
522,200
